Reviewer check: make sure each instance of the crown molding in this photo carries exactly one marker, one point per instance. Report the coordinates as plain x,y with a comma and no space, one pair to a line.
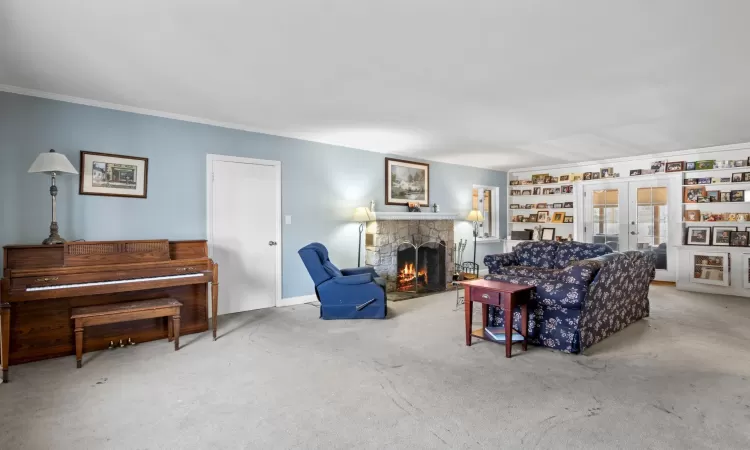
663,155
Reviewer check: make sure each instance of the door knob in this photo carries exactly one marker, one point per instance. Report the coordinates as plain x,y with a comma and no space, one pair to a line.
271,243
633,233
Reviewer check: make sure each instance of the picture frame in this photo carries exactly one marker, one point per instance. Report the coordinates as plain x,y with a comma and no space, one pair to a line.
526,192
542,216
692,215
558,217
737,195
111,175
635,172
514,206
657,166
547,234
538,178
713,196
675,166
515,192
606,172
739,238
537,191
721,235
692,194
406,182
707,164
725,196
738,177
740,163
568,219
568,205
541,205
534,217
514,182
576,177
414,207
595,175
704,180
690,165
557,205
586,176
564,178
710,268
699,236
745,176
529,206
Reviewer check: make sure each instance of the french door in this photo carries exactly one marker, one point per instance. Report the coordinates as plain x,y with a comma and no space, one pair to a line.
630,215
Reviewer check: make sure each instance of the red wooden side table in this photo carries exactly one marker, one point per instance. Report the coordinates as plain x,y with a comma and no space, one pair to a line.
497,293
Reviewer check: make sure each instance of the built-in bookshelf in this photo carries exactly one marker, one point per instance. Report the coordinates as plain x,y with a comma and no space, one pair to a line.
549,204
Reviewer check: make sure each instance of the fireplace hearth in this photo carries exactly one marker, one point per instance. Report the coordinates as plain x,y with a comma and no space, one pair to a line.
426,273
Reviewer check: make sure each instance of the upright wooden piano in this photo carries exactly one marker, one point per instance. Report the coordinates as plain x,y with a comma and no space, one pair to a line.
42,283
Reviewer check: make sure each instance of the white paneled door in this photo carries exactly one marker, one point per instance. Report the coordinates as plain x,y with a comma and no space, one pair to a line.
630,215
244,231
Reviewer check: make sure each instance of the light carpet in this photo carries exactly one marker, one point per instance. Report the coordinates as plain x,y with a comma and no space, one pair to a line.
282,378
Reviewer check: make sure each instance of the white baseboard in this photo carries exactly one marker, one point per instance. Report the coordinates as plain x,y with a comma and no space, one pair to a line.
291,301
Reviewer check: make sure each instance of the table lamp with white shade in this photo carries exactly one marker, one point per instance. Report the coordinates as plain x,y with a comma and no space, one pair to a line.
52,163
475,216
362,215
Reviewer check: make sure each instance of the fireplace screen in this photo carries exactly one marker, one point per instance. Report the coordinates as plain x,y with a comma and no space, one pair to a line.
425,273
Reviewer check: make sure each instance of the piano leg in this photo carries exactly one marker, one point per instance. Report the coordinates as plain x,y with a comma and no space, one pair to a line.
5,338
176,331
215,298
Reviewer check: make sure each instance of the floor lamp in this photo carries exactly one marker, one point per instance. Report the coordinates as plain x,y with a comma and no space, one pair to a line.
475,216
362,215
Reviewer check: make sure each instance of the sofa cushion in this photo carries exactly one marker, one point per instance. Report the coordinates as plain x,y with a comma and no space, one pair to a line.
568,252
540,254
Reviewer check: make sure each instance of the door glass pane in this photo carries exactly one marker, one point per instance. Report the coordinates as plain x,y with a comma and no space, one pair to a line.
606,213
651,222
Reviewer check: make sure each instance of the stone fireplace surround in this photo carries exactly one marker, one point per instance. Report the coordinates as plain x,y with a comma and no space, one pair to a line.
384,237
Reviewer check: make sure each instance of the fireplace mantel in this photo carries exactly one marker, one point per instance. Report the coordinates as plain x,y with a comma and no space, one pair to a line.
387,215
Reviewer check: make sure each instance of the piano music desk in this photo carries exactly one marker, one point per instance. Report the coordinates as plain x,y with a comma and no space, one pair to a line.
124,312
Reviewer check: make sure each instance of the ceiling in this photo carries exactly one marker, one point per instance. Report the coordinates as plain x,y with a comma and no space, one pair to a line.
489,83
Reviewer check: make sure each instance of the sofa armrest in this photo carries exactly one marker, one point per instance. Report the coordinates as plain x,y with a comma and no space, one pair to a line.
494,262
362,278
359,271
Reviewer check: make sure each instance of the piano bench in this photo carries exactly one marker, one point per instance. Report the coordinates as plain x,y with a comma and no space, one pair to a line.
125,312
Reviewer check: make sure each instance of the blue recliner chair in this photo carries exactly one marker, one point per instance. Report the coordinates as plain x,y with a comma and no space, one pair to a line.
344,294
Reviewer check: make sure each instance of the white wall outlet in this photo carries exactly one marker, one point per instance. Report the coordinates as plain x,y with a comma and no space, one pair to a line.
288,220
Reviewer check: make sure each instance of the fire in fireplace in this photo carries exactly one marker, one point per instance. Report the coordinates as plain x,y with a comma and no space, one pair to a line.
426,273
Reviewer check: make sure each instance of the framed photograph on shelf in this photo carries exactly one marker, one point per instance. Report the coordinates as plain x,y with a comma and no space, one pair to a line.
738,238
710,268
713,196
526,192
568,219
406,182
564,178
737,177
548,234
514,206
529,206
676,166
587,176
606,172
541,205
557,205
690,165
725,196
693,194
705,165
737,196
745,176
558,217
568,205
692,215
111,175
698,236
635,172
533,217
721,235
537,191
543,216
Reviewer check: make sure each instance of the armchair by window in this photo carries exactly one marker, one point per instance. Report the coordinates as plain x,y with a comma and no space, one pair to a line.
344,294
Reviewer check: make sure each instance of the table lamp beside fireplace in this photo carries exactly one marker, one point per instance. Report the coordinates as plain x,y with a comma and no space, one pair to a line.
53,164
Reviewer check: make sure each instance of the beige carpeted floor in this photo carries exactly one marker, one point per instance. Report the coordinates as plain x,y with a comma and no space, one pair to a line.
281,378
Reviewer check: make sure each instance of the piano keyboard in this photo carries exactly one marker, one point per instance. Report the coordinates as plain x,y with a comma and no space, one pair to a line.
104,283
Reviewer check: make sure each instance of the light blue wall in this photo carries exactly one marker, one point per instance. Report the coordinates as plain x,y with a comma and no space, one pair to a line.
321,184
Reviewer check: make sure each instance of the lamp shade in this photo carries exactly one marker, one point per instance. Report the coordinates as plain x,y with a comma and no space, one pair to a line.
475,216
363,214
52,162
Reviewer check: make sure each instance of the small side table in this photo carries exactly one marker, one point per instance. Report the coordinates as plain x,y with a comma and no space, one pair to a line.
497,293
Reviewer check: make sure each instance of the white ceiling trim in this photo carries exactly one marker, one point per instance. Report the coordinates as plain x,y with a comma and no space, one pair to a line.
655,156
147,112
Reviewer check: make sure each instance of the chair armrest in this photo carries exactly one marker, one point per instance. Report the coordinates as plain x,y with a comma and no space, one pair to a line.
362,278
359,270
494,262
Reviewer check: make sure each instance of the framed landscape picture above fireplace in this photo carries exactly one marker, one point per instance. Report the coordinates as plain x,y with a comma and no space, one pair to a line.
406,182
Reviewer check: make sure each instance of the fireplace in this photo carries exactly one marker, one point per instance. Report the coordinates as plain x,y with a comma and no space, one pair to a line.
423,274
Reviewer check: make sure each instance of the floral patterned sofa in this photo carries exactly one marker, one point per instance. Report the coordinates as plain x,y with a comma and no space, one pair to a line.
584,292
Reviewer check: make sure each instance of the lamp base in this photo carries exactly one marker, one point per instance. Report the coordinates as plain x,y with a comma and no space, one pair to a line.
54,238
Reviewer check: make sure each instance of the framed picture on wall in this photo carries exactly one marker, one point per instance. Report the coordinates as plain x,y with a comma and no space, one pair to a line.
113,175
406,182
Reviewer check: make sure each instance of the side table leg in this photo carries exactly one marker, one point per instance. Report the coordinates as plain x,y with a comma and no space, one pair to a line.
508,324
4,339
468,305
524,325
